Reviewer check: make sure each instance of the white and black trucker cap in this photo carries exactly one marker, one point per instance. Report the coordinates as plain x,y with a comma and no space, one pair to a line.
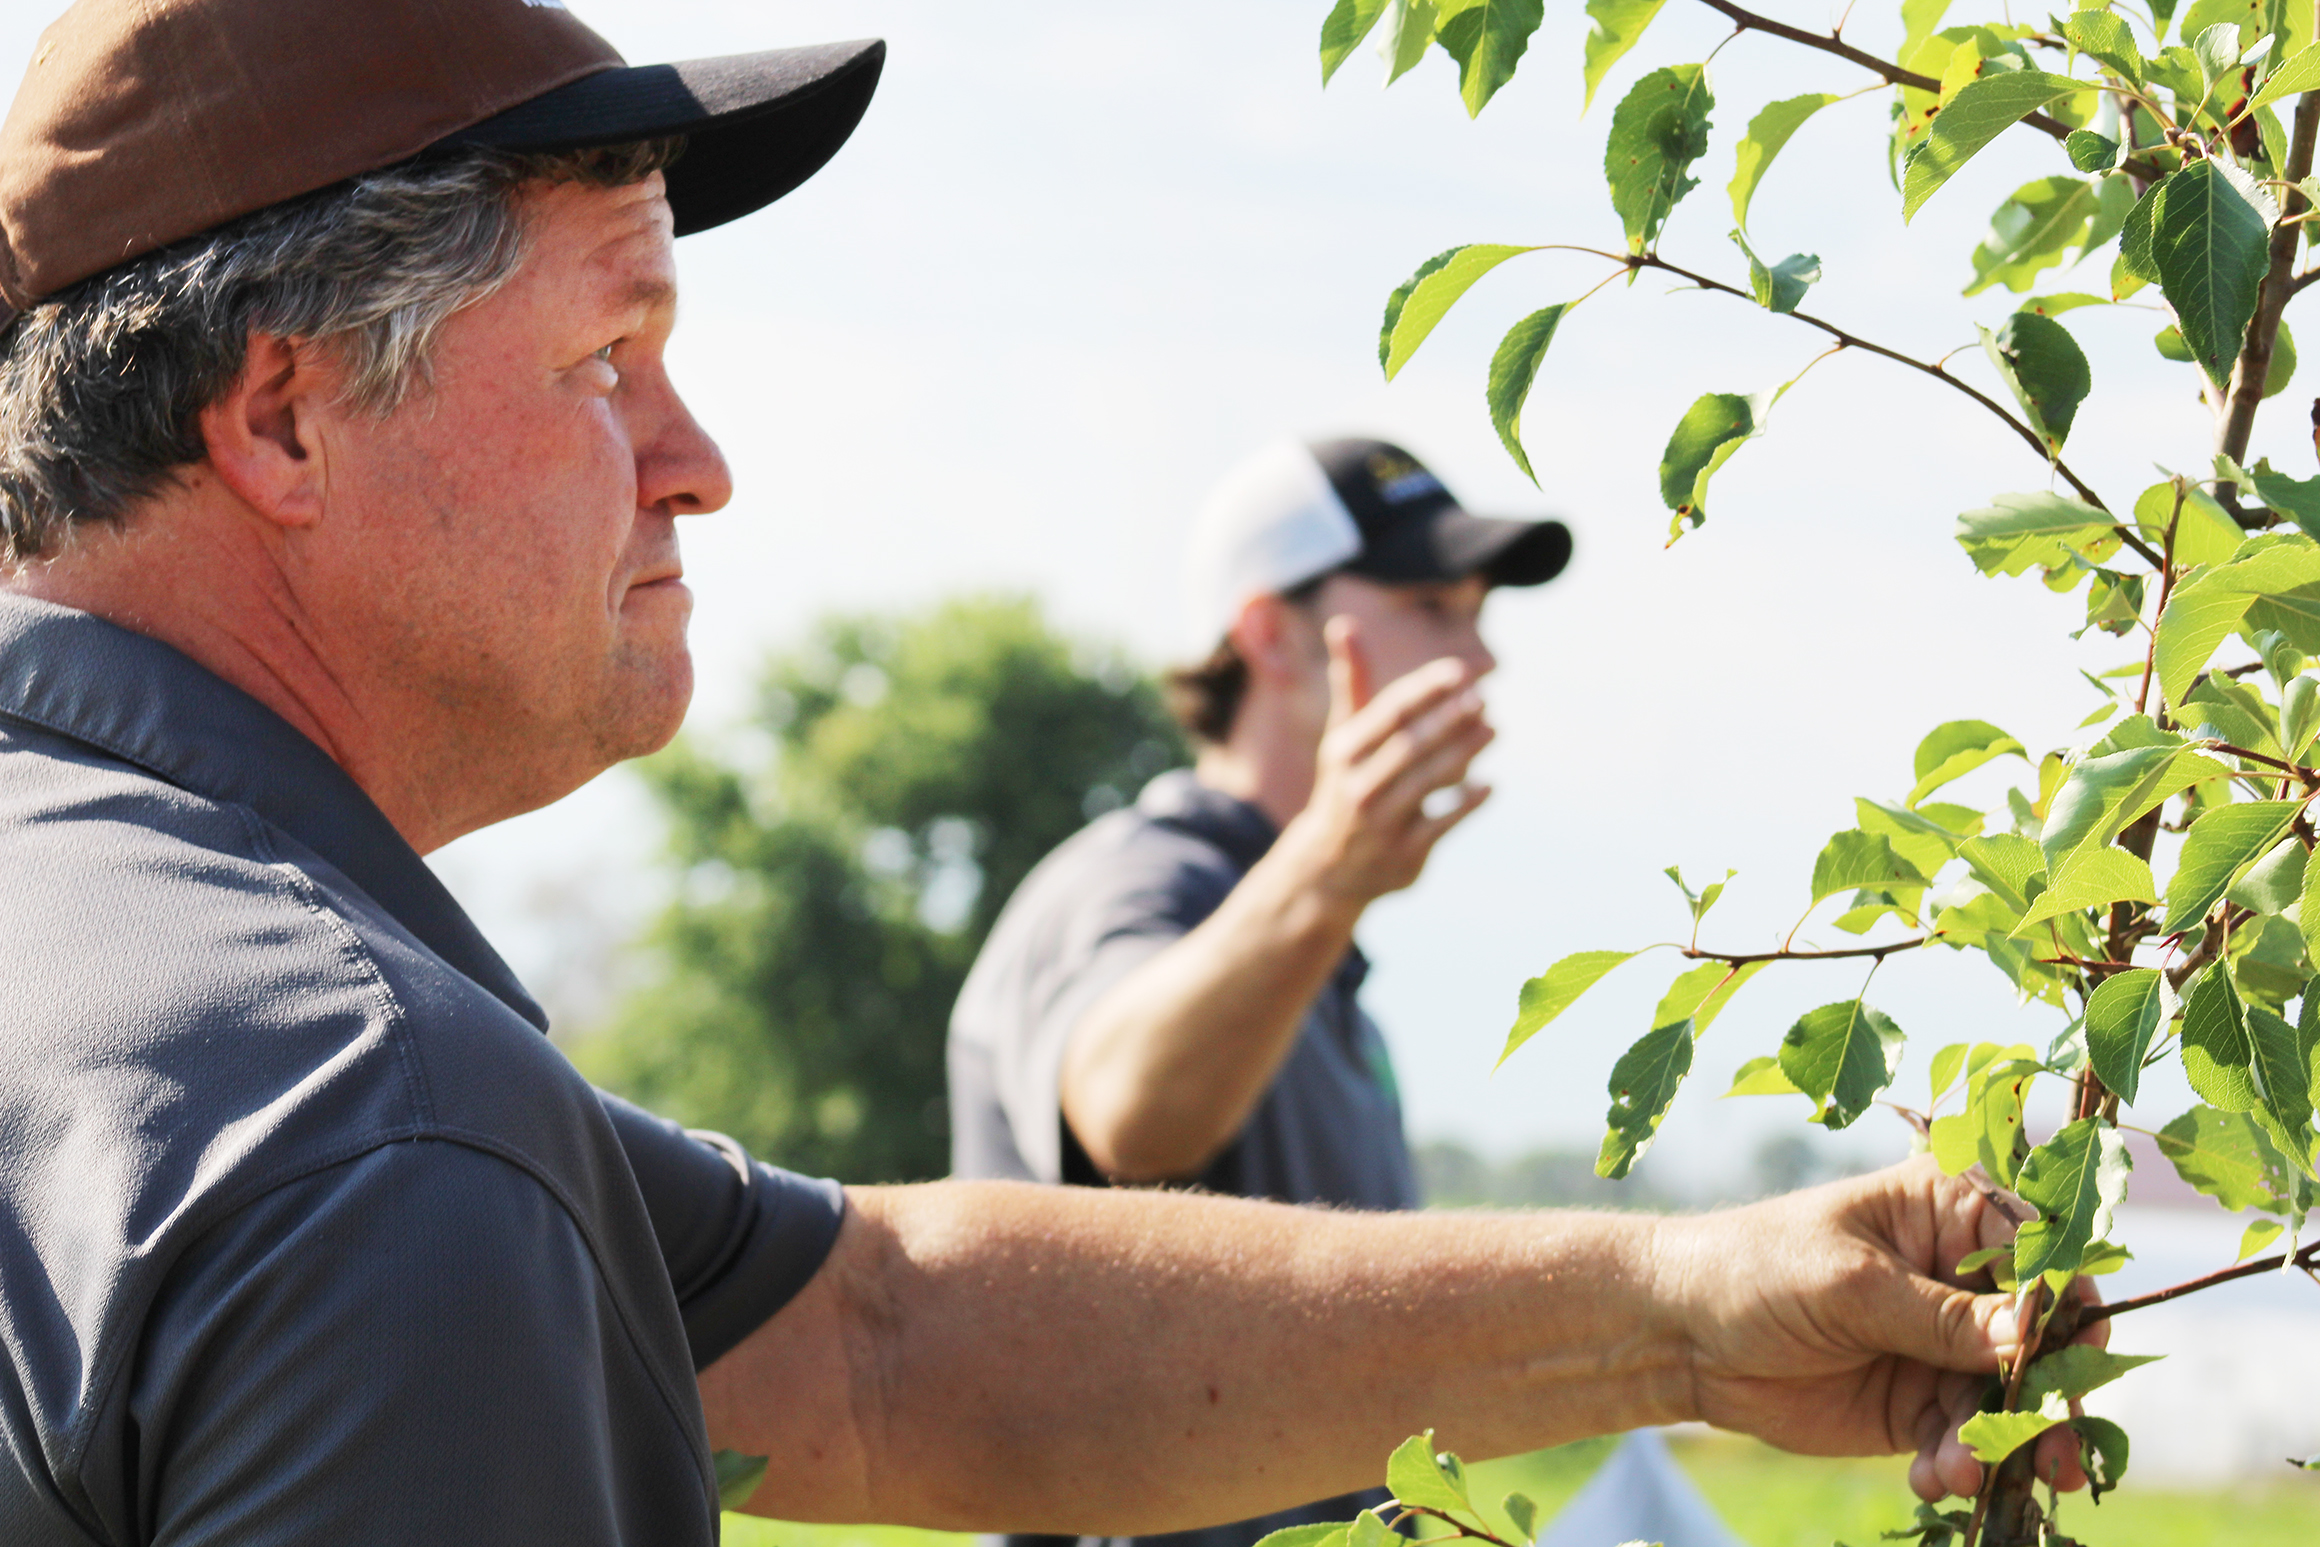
1294,512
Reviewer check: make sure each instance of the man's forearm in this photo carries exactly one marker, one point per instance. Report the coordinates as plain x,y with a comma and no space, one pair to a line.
1025,1359
1164,1069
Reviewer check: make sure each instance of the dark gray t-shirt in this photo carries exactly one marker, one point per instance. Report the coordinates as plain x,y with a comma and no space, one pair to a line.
1328,1130
307,1234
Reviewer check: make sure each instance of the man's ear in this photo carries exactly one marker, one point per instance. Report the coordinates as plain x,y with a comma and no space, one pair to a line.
262,435
1270,637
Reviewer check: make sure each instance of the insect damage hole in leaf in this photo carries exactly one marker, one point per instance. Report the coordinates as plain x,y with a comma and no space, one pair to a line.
1714,427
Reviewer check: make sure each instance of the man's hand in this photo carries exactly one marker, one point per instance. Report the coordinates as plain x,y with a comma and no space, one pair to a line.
1834,1322
1366,830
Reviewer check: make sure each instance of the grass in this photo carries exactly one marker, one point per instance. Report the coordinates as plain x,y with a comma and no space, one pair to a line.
1776,1500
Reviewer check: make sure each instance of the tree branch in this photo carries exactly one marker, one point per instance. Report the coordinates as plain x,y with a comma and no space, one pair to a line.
1749,21
1878,951
2255,356
2305,1258
1463,1528
1855,341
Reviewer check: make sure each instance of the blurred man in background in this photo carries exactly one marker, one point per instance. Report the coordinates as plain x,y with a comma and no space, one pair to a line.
1172,995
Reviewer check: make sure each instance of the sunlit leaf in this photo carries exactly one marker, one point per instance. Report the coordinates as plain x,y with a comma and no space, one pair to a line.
1762,1077
2210,242
2107,39
2218,1052
1414,309
1715,426
1701,994
1348,22
1415,1477
2073,1371
1556,990
2092,877
1643,1082
2124,1016
1512,370
1613,26
1487,38
1768,133
1981,110
2030,232
2221,844
1992,1437
2041,529
2042,365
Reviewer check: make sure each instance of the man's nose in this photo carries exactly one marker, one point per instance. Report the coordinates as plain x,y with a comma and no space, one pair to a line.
682,467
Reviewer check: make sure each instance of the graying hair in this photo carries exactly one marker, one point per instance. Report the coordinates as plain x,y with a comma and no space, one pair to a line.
102,384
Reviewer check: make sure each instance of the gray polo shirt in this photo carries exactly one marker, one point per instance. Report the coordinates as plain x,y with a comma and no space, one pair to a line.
1328,1130
307,1234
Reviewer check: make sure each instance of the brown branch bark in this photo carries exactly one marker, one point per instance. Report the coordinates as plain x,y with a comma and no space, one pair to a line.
1878,951
2237,423
2306,1257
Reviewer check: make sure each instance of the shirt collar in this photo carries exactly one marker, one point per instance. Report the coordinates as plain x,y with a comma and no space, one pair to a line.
136,699
1178,799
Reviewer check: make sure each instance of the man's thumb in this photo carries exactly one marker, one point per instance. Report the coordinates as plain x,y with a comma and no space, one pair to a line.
1951,1329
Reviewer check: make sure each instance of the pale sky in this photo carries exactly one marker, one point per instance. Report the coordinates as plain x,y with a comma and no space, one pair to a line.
1080,258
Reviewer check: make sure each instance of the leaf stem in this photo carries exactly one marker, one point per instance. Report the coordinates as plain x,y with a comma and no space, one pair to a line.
2305,1259
1462,1527
2166,587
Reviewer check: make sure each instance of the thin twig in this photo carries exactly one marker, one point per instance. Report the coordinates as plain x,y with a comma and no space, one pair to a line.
2166,586
1463,1528
1749,21
2305,1259
1880,952
2035,441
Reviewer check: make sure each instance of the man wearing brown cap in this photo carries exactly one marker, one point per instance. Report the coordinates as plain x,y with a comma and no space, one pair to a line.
339,474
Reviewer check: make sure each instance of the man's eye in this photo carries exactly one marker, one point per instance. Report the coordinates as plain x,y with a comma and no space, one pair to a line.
605,354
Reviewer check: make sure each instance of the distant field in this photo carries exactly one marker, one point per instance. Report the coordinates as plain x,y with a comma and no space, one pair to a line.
1776,1500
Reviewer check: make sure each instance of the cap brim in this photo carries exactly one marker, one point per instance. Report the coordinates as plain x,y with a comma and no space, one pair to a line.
1451,544
756,125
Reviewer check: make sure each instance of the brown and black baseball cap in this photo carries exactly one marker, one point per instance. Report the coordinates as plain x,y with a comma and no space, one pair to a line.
143,122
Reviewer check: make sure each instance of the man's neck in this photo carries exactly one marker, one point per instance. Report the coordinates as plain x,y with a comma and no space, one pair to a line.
1271,771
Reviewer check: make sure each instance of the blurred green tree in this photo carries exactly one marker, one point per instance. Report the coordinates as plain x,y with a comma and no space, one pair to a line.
833,888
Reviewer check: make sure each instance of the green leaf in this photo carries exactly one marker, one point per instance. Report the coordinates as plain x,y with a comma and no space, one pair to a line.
1659,129
1714,427
1992,1437
2226,1156
1368,1529
2210,237
1954,749
1556,990
1947,1065
1512,370
2045,369
737,1477
2102,1453
2299,715
2092,877
1978,113
1408,36
2296,498
2075,1180
2268,962
2073,1371
1525,1514
1487,38
2066,301
2013,868
2204,532
1414,309
1613,26
1927,839
2135,259
2123,1018
2106,39
1858,859
2217,49
2297,74
1702,900
1841,1055
1918,19
1322,1534
2218,1054
1780,287
2283,1068
2282,369
1643,1082
2258,1235
2034,227
2231,711
2043,529
2219,847
1349,21
2210,604
1768,134
1701,994
2103,794
1988,1132
1762,1077
1414,1476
